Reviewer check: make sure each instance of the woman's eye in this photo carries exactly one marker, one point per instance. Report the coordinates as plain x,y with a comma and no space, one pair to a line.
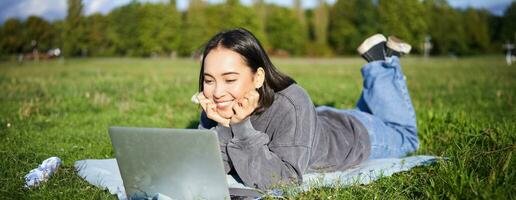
231,81
208,81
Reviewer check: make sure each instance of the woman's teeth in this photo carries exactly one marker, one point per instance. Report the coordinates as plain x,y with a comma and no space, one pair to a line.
223,104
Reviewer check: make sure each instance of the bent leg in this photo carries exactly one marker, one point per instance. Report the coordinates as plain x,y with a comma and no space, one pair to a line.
386,109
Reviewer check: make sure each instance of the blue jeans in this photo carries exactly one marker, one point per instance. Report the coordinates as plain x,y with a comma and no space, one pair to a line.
385,110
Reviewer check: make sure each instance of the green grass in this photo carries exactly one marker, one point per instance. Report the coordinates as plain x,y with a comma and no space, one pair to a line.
465,110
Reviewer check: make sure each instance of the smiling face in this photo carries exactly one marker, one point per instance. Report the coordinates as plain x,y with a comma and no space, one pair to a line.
227,78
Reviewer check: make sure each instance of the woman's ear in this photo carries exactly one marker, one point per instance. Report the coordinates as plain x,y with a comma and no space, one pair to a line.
259,78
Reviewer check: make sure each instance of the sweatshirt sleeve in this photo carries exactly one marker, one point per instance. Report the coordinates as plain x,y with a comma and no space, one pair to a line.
262,163
224,135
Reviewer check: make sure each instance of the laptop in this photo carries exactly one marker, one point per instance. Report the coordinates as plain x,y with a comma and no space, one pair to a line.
172,163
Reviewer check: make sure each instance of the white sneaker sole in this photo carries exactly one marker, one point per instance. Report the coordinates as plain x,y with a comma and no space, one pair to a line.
370,42
398,45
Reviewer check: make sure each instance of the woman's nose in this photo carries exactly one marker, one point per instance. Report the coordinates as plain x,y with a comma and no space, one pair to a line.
219,92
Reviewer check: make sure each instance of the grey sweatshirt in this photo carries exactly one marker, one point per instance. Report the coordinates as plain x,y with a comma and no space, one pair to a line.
289,139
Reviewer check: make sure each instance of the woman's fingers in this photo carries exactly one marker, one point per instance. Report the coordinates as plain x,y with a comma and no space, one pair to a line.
211,110
211,113
238,108
202,100
204,103
245,103
245,106
200,97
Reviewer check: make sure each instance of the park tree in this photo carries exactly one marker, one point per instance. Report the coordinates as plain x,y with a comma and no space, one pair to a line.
74,35
10,41
98,42
172,23
124,29
57,39
508,29
366,19
38,34
301,18
343,31
195,29
261,14
321,23
143,29
159,25
495,36
404,19
444,28
476,30
283,30
203,21
300,12
318,30
350,22
236,15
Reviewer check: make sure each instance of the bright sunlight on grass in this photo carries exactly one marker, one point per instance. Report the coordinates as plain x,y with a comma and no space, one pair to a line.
465,110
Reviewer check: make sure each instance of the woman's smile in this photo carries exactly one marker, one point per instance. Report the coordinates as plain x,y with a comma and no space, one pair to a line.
223,104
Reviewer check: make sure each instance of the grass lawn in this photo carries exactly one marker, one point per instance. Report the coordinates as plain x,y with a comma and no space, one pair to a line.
465,111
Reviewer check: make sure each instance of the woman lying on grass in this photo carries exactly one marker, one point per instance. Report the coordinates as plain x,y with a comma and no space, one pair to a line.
270,131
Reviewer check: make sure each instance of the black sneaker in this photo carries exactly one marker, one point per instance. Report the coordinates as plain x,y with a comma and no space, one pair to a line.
373,48
397,47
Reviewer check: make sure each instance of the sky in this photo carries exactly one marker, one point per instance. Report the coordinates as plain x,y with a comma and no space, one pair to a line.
56,9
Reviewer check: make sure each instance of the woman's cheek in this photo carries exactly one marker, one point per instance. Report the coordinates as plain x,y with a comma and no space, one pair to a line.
236,92
207,91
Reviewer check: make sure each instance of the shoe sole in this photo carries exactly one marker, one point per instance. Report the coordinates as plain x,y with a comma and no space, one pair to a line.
398,45
370,42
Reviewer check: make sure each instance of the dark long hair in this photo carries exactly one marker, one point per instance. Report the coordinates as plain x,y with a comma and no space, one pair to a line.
245,43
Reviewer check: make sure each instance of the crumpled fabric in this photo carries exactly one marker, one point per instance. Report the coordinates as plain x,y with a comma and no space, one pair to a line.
41,174
105,174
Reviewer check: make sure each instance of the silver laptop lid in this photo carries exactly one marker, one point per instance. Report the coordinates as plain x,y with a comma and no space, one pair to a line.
177,163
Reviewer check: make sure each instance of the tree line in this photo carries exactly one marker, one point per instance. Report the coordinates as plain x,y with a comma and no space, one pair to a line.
160,29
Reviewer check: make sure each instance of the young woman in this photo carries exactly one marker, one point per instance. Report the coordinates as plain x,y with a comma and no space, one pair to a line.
270,131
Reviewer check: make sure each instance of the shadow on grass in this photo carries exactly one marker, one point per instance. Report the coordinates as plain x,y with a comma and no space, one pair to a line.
329,104
193,124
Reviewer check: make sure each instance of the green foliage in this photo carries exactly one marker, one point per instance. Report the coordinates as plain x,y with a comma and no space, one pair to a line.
465,111
445,29
236,15
196,29
284,30
312,48
125,29
11,43
261,16
351,21
144,29
39,31
24,37
403,19
477,31
99,43
321,23
508,30
320,46
203,21
159,29
74,32
158,25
